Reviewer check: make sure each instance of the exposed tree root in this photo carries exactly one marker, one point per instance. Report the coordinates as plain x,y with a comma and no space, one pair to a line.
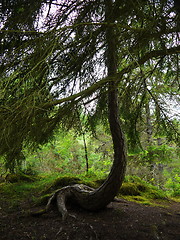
61,196
75,192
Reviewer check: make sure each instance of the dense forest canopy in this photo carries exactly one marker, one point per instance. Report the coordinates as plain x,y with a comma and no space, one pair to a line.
54,66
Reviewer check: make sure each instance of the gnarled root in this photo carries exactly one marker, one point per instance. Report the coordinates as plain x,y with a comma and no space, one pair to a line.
61,198
62,195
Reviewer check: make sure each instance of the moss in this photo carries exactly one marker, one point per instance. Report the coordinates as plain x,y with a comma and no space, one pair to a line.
64,181
99,182
155,194
141,199
136,190
18,177
42,200
129,189
90,183
175,199
61,182
145,201
135,186
2,180
39,191
12,178
141,187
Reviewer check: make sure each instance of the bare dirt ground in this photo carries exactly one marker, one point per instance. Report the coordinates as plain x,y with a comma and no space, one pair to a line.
122,220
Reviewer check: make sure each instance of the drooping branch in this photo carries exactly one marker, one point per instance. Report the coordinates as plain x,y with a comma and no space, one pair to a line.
39,68
116,77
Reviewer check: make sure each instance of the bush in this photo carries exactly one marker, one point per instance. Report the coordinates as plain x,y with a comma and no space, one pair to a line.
173,185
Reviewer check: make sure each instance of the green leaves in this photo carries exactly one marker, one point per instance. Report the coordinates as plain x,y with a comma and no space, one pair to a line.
54,66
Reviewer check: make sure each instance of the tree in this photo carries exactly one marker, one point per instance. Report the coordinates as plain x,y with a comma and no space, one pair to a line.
85,56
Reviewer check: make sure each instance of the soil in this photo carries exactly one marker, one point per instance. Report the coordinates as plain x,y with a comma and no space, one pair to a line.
122,220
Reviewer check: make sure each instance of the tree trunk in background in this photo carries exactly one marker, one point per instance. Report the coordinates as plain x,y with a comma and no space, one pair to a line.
149,125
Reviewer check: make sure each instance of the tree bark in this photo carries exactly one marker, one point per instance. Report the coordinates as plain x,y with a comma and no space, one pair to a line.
99,198
148,124
102,196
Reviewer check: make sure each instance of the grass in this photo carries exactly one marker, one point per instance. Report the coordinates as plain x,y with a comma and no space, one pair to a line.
37,192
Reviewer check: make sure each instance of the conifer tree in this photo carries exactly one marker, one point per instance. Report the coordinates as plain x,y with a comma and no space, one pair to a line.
61,58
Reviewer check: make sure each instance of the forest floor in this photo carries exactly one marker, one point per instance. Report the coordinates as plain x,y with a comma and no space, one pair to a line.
123,220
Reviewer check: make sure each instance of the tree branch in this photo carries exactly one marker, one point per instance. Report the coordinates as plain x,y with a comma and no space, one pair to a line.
117,77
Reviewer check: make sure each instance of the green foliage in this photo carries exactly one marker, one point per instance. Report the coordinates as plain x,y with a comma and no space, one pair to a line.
157,154
67,153
50,68
172,184
153,163
136,189
38,192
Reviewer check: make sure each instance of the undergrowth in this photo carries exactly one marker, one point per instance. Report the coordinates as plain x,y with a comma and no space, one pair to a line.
36,192
138,190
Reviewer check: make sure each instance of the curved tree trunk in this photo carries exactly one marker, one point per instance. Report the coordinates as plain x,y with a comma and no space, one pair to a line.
86,197
100,197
